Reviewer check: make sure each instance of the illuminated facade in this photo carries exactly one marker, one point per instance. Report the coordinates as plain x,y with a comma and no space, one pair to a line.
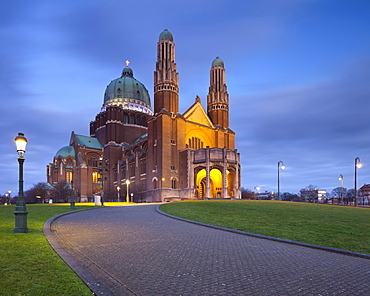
163,155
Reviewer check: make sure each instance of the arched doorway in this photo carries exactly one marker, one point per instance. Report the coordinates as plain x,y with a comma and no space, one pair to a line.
215,185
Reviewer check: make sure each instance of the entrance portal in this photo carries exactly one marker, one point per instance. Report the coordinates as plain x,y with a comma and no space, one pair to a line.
215,186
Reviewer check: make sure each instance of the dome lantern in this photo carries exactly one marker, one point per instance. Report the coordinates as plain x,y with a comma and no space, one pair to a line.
166,35
217,62
128,93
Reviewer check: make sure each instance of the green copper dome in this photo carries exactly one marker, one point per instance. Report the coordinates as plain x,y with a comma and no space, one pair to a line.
166,35
65,152
217,62
127,92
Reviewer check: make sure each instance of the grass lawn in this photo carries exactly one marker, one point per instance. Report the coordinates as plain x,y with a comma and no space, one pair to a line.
338,227
28,265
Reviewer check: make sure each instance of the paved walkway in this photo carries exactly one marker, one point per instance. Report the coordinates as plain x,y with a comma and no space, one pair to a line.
137,251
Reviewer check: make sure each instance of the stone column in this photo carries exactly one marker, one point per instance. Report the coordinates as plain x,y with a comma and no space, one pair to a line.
224,175
208,181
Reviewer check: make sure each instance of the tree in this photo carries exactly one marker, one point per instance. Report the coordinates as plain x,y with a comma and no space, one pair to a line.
286,196
246,193
38,191
350,194
61,192
336,193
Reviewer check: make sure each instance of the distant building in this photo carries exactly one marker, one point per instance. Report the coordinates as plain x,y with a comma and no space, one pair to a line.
364,195
313,196
266,195
159,153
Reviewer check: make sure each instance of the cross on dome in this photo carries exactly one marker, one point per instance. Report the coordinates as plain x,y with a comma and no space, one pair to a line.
127,63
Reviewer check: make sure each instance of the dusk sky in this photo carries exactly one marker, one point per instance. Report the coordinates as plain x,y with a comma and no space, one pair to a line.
297,72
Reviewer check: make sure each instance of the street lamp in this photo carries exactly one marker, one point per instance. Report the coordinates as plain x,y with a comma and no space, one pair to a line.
358,164
20,208
102,170
72,199
280,166
127,195
118,189
341,179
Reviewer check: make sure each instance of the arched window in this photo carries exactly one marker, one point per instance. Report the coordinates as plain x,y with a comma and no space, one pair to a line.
93,162
174,184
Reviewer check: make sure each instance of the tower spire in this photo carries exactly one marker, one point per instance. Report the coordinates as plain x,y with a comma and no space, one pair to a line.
218,98
166,86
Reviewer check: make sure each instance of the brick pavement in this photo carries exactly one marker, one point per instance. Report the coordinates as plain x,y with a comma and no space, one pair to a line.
136,251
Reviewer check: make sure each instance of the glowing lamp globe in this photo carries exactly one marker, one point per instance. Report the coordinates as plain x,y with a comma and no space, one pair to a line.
21,142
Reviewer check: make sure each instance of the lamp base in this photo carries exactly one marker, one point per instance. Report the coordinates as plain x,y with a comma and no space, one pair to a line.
20,222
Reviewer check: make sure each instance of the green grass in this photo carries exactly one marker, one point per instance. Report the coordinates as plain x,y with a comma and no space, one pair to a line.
338,227
28,265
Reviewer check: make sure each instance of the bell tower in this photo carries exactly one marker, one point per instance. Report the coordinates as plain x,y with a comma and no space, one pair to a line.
166,79
218,98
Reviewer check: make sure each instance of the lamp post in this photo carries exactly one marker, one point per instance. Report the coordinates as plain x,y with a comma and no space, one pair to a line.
20,208
102,164
127,194
118,189
358,164
72,199
280,166
9,196
341,179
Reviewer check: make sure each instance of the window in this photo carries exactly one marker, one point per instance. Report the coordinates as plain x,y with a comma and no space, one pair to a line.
68,177
174,183
132,170
142,167
195,143
96,177
93,162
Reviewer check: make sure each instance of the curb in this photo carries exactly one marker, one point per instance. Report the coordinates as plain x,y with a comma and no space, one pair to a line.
95,285
333,250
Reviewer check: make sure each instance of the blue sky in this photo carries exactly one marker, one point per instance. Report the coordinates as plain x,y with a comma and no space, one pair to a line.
297,75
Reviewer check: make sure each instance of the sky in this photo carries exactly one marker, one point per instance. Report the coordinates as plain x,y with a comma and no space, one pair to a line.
297,72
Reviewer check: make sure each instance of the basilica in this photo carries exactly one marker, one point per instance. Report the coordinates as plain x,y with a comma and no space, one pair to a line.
154,153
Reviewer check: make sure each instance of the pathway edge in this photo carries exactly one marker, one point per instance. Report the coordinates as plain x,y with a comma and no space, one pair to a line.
95,285
328,249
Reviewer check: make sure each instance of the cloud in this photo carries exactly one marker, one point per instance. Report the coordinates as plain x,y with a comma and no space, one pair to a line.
326,110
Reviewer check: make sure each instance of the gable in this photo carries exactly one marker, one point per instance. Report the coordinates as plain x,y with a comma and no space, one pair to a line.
84,141
197,114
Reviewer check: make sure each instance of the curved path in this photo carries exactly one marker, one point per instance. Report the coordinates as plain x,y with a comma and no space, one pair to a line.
137,251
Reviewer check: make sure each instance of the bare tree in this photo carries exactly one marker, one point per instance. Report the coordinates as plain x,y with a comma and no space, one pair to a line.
337,193
61,192
290,196
350,194
36,193
246,193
